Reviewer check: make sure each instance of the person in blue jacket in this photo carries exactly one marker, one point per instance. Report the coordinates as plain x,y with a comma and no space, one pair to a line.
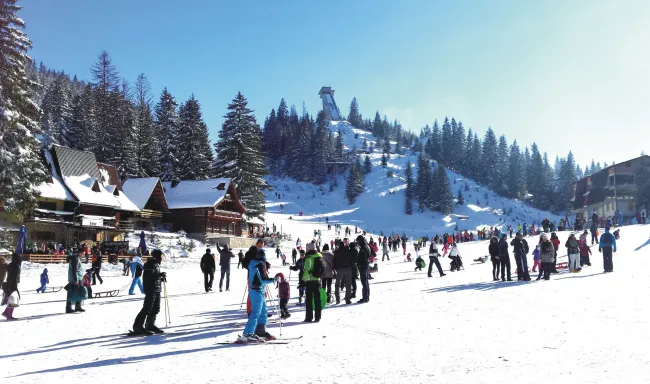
44,281
606,246
258,278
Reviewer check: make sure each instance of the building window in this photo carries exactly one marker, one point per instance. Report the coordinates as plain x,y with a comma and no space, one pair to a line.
47,205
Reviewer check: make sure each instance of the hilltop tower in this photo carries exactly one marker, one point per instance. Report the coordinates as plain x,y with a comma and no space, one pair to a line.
329,105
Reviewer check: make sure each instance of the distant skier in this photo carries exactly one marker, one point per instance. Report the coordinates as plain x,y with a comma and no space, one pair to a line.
208,267
240,257
153,279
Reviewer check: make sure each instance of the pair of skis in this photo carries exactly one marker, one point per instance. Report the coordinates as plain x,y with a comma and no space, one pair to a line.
284,340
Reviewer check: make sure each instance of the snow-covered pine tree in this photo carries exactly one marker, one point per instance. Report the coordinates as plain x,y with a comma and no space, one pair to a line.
423,187
490,161
502,171
294,128
410,190
565,182
435,148
105,82
360,185
239,157
514,179
119,150
386,147
355,184
300,166
377,126
82,121
194,153
338,150
146,150
367,165
447,147
384,161
57,113
354,117
20,167
445,199
318,155
167,123
459,197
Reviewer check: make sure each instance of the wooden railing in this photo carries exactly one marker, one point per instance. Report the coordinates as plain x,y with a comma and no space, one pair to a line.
54,259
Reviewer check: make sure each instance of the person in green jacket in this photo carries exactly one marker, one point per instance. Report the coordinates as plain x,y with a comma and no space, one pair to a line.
312,284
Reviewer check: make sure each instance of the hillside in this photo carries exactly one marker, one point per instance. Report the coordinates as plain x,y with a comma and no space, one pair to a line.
381,207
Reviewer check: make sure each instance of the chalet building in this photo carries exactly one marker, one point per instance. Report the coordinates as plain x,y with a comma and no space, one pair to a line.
602,191
149,196
82,200
205,209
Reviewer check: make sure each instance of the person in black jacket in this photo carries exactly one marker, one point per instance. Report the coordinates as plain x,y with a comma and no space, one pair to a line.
343,266
299,266
433,259
294,255
494,257
153,279
11,285
97,267
240,255
363,260
224,263
521,250
504,257
208,267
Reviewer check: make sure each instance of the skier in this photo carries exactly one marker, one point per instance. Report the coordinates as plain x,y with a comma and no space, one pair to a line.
11,285
343,267
208,266
385,251
284,292
606,246
433,259
312,284
328,274
547,257
504,258
76,291
153,280
255,330
45,280
362,263
521,250
277,251
224,263
573,250
493,249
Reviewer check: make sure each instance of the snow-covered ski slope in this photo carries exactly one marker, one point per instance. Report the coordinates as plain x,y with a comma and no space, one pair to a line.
377,209
587,327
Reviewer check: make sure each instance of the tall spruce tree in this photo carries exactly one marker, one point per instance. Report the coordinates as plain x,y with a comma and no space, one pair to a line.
410,190
355,184
146,150
239,157
354,117
82,121
20,167
490,160
502,170
119,151
318,155
194,153
367,165
167,126
444,199
447,146
106,84
57,113
424,186
435,151
515,181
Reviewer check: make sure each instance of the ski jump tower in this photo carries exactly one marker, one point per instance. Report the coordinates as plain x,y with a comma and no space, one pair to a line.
329,105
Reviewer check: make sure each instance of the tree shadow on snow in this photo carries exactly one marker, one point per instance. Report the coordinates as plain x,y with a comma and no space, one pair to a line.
486,286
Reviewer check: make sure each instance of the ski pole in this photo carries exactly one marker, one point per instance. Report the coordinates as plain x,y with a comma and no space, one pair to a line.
242,298
168,316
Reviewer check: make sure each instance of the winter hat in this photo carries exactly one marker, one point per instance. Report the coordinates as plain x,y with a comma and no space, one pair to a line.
261,254
361,240
281,276
208,251
326,248
157,254
311,247
45,270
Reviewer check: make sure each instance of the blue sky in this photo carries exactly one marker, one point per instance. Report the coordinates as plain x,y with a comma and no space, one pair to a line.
570,75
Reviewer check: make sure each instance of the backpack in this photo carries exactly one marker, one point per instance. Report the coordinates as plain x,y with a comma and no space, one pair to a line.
318,270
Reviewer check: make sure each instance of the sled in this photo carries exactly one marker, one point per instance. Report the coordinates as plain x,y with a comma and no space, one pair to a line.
562,265
52,289
106,294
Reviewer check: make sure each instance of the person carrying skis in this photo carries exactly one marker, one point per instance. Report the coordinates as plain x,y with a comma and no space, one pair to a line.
493,249
153,279
433,259
504,258
607,246
208,266
312,284
224,264
45,280
255,330
521,250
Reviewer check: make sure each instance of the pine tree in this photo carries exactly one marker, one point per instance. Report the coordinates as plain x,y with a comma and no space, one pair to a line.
239,157
317,155
514,179
410,190
355,184
167,125
82,122
367,165
354,117
119,151
386,147
57,113
459,197
490,161
447,147
502,170
445,199
106,84
147,162
20,167
435,149
423,187
300,168
339,146
194,153
384,161
377,126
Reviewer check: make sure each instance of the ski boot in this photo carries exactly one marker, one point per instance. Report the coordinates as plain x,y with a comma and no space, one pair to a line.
152,328
141,332
245,339
263,334
68,307
77,308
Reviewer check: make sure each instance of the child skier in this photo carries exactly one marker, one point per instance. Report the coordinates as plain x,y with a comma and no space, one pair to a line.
419,263
284,291
536,263
44,281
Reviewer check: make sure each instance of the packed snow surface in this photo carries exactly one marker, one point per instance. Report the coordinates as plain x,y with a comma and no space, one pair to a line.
585,327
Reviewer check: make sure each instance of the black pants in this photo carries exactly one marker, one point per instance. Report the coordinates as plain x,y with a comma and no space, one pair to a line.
149,310
313,301
434,260
594,239
584,260
225,272
343,278
208,278
327,284
495,269
238,264
294,259
546,270
365,285
522,267
608,264
505,265
284,311
96,276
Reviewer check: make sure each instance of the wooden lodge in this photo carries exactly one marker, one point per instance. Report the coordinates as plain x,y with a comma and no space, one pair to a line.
148,195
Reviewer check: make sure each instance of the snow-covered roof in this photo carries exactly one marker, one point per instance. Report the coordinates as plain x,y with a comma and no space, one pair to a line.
125,202
196,193
82,188
7,226
255,220
54,190
140,190
60,213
